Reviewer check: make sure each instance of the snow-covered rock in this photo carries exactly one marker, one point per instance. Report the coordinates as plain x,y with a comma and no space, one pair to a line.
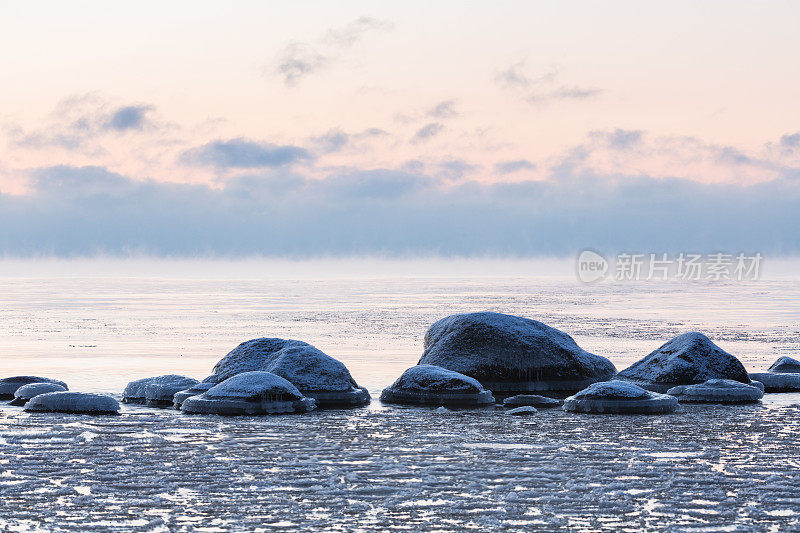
9,386
785,365
194,390
717,391
524,410
777,381
74,402
533,400
434,385
26,392
250,393
156,391
619,397
686,359
316,374
511,354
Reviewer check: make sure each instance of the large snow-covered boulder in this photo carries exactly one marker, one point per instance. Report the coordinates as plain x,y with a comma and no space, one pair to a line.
717,391
686,359
531,400
785,365
434,385
26,392
9,386
156,391
316,374
250,393
74,402
512,355
619,397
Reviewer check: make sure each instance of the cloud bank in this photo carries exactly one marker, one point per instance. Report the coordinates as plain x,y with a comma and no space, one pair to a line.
74,211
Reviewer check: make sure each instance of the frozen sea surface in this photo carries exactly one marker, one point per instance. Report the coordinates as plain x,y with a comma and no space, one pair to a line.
704,468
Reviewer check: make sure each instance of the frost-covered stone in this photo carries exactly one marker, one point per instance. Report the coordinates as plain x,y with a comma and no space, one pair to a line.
717,391
533,400
524,410
74,402
156,391
250,393
194,390
316,374
686,359
510,354
26,392
777,381
9,386
785,365
619,397
434,385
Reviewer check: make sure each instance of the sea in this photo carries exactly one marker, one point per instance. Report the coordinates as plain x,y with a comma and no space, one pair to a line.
102,322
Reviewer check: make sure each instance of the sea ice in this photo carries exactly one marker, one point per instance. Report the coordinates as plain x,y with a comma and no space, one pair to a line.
250,393
26,392
684,360
434,385
74,402
619,397
511,354
717,391
777,381
316,374
8,386
785,365
533,400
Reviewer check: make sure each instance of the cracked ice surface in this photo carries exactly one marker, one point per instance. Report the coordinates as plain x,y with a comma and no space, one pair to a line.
403,469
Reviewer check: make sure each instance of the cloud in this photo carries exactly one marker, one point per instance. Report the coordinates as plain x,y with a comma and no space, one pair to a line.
335,140
619,139
427,131
791,141
132,117
77,120
244,153
87,210
510,167
542,88
444,109
299,59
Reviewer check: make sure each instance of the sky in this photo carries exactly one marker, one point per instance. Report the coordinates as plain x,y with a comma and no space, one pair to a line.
301,129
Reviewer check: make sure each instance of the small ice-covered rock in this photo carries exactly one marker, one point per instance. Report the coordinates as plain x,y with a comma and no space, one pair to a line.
533,400
74,402
434,385
524,410
26,392
717,391
161,390
511,354
777,381
137,391
194,390
9,386
619,397
785,365
316,374
686,359
250,393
